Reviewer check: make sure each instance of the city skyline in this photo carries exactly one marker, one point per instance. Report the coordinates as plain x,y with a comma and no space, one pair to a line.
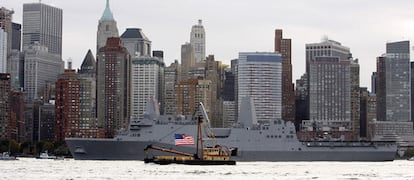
363,30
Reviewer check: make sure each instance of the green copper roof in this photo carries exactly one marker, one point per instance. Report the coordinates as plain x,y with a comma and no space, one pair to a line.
107,15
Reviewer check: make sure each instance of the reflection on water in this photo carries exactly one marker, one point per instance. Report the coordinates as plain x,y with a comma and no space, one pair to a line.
29,168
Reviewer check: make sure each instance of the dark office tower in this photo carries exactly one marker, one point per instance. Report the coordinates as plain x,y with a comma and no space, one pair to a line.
88,67
16,36
284,47
113,85
6,126
374,81
301,100
136,42
229,99
43,24
158,54
393,91
106,28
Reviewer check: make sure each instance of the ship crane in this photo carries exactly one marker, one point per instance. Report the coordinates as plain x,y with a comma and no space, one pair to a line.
167,150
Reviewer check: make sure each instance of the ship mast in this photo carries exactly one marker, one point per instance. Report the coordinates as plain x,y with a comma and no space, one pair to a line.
199,137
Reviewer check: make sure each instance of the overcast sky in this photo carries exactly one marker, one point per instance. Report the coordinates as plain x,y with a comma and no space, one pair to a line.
234,26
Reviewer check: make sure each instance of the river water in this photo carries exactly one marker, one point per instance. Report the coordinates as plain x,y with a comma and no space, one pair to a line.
30,168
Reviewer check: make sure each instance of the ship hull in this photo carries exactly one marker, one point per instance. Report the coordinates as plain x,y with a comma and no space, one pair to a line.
112,149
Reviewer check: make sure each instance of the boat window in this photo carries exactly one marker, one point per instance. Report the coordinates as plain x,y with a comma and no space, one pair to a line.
271,136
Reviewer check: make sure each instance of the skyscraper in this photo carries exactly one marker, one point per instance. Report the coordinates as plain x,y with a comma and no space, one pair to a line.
113,85
3,51
198,41
259,78
393,91
172,78
16,36
284,47
43,24
333,87
40,67
106,28
187,61
147,82
136,42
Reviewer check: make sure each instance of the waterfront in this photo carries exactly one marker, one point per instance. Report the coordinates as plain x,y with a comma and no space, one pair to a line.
30,168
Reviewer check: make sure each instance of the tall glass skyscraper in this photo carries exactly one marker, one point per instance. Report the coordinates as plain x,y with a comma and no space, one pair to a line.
260,79
43,24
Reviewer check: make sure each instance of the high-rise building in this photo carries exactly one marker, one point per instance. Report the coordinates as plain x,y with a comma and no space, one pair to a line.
7,127
16,36
147,82
198,41
329,94
412,91
67,106
3,51
190,93
136,42
229,99
43,24
106,28
301,100
17,115
46,122
88,66
259,78
172,78
6,30
113,87
214,71
187,61
393,91
284,47
374,80
40,67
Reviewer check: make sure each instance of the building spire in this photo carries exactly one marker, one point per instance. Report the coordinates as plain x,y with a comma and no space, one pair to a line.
107,15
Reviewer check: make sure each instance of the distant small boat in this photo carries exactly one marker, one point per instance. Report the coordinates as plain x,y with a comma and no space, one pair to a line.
411,158
6,156
45,155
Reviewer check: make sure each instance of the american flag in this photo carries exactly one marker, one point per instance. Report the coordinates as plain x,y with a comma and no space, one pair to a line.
182,139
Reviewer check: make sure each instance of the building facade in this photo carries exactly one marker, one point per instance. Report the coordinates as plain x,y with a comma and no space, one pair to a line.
106,28
147,82
393,91
259,77
40,67
190,93
7,127
187,61
284,47
172,78
113,87
43,24
3,51
136,42
198,41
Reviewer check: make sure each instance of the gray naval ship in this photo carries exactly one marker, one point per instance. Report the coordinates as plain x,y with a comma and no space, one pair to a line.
274,141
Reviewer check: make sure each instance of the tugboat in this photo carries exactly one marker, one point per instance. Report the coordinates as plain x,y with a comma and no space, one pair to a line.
217,155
